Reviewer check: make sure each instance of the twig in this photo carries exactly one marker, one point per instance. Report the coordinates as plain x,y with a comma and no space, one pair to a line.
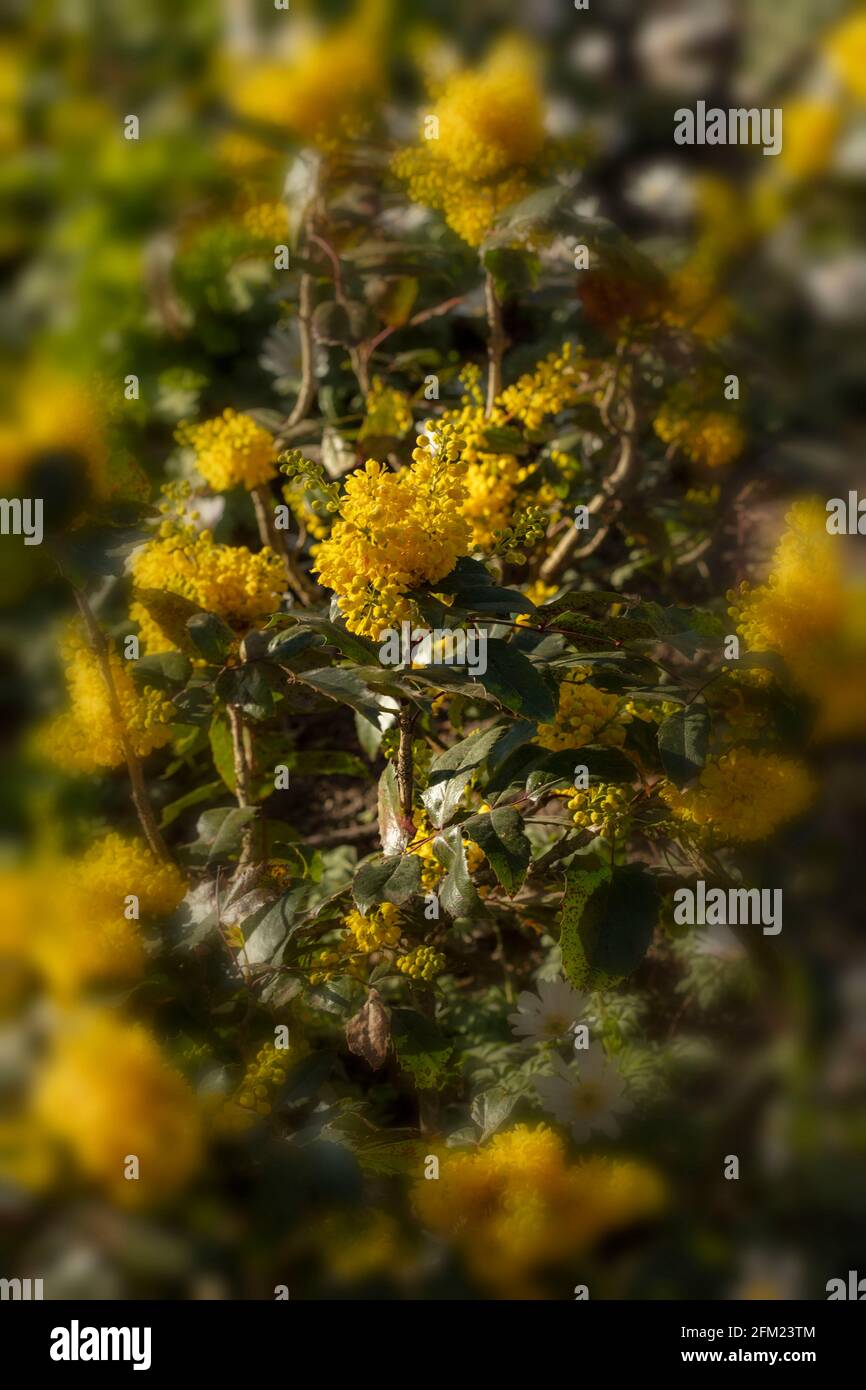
140,797
609,499
269,535
496,343
241,762
405,774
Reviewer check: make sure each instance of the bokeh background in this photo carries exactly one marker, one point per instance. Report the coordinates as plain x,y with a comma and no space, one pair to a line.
153,258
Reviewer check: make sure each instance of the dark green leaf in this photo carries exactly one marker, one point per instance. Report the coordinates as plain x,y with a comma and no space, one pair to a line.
457,894
451,771
683,741
499,833
607,922
422,1049
390,878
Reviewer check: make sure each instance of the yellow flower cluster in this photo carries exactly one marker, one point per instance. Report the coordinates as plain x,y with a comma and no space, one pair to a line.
490,134
66,917
388,412
394,532
706,436
87,736
263,1075
56,414
229,580
267,222
324,94
555,383
421,963
231,451
108,1093
811,616
377,929
803,600
845,46
812,126
515,1206
584,714
742,796
491,486
605,809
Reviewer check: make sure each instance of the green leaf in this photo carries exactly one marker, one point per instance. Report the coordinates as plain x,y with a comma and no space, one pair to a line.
393,834
687,629
451,771
220,830
607,922
171,613
220,739
499,833
457,894
176,808
682,740
513,680
163,671
422,1049
212,638
476,592
357,649
391,878
346,687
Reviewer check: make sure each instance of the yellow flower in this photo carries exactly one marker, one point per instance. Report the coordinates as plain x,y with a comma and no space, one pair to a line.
263,1076
490,135
241,587
811,128
421,963
70,914
325,93
394,532
107,1092
491,486
705,434
87,737
810,615
267,222
388,412
742,795
58,415
803,599
231,450
375,930
515,1206
584,715
845,46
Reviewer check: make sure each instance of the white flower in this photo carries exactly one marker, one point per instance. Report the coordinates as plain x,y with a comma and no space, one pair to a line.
587,1099
549,1014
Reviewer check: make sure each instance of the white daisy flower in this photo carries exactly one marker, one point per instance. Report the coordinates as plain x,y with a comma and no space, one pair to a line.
549,1014
585,1100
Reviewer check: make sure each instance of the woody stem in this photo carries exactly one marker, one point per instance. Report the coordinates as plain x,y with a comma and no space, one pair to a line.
496,343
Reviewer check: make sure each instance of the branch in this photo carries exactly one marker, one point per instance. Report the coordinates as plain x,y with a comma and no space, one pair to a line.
405,770
299,583
496,343
609,500
140,797
241,761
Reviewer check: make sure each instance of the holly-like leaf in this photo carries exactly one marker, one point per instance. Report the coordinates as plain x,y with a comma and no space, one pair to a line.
475,591
607,922
212,638
457,894
422,1049
347,687
499,833
687,629
391,878
682,740
451,771
163,671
